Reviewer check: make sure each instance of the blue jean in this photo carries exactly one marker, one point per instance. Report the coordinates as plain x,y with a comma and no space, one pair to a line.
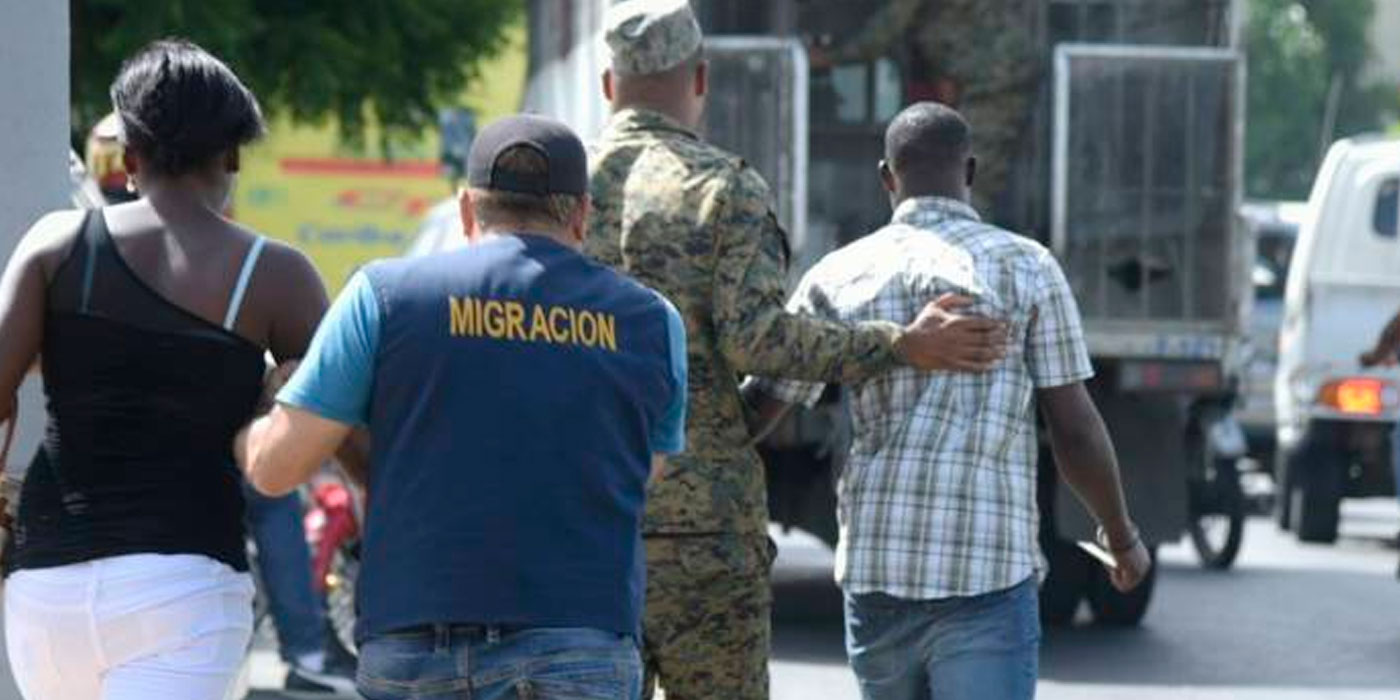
284,563
488,663
978,648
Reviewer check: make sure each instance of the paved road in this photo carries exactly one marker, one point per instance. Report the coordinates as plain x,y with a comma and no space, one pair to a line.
1290,622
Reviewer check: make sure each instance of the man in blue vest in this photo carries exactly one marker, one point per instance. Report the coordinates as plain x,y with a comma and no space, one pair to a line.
517,393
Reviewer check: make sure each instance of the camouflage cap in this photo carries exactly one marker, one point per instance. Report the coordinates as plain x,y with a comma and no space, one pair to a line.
651,36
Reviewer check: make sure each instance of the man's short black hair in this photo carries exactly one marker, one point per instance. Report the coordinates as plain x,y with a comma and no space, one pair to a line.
180,107
927,139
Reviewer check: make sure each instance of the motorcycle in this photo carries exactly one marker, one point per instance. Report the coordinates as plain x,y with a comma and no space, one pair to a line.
332,521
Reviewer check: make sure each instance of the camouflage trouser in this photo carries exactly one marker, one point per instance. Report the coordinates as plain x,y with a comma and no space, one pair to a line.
706,628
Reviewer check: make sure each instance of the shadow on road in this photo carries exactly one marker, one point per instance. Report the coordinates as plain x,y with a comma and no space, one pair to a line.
1260,626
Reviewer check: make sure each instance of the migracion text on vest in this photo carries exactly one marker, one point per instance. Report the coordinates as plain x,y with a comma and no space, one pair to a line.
512,320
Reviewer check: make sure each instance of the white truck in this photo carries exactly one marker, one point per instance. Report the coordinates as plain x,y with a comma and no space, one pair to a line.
1335,419
1130,170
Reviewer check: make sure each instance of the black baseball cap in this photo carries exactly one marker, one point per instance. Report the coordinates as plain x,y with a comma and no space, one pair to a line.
566,161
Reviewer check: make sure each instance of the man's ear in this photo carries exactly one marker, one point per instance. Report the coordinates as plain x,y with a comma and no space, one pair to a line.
608,85
971,170
578,227
467,210
702,79
887,177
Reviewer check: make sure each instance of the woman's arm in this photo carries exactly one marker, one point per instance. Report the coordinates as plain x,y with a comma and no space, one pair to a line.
22,299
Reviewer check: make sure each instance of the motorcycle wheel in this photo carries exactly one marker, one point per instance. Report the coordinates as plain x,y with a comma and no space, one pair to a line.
340,594
1217,511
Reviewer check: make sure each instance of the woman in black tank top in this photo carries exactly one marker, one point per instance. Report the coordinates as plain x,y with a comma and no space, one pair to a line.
152,319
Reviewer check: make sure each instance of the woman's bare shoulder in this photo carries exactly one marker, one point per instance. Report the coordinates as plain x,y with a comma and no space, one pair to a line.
289,264
48,241
285,272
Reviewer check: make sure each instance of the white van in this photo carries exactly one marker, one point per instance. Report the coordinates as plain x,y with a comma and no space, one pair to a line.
1334,418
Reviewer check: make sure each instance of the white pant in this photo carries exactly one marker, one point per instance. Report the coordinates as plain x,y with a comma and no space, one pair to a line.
138,627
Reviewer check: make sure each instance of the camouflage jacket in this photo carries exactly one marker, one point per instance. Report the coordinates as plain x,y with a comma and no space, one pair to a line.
694,223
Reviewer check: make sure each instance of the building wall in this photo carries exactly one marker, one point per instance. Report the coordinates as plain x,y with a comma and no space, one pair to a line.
33,146
1385,42
567,60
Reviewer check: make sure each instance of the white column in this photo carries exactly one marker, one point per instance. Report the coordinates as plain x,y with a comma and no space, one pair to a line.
33,146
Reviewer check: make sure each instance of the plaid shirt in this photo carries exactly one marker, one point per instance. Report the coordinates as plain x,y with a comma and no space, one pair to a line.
938,496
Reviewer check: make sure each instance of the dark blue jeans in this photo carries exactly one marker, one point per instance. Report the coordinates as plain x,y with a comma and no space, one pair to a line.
978,648
284,563
488,663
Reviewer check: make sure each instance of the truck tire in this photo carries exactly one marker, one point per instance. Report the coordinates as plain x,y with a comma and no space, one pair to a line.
1317,473
1283,488
1065,583
1115,609
1315,502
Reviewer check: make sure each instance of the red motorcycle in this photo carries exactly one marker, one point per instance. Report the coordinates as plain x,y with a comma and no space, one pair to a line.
334,512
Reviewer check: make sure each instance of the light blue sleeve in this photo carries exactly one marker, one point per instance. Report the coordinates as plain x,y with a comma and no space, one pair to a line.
668,436
336,378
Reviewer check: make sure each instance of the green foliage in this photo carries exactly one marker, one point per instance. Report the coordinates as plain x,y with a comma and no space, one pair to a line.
1297,49
393,62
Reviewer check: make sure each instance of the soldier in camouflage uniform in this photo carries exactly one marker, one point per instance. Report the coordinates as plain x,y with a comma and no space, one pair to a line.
694,222
985,59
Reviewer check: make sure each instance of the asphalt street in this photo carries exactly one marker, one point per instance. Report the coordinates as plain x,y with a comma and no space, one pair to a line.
1290,622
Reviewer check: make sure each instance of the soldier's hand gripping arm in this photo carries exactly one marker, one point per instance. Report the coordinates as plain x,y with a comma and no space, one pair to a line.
757,336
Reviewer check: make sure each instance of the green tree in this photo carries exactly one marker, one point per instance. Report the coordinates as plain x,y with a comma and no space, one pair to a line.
390,62
1306,58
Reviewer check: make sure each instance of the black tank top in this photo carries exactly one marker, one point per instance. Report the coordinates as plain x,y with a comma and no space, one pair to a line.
144,399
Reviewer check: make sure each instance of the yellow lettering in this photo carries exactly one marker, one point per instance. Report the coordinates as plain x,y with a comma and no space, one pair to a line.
607,331
463,320
506,320
539,326
493,317
561,335
587,329
515,321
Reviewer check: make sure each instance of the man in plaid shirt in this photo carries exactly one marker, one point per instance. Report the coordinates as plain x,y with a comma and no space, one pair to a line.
938,556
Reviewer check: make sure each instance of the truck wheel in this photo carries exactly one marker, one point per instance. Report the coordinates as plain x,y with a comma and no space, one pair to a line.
1283,489
1316,472
1121,609
1217,514
1065,583
1316,502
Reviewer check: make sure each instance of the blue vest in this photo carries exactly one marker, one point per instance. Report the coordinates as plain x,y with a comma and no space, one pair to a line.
516,386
